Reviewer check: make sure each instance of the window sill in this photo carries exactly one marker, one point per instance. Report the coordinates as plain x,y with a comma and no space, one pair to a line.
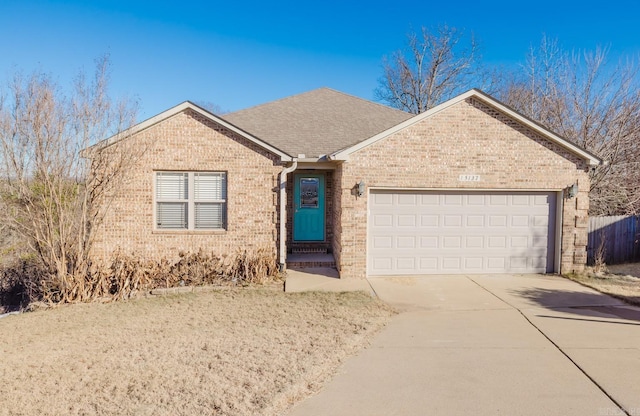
189,232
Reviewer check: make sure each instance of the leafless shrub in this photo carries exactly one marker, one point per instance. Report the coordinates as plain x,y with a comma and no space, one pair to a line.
600,255
248,267
19,283
26,281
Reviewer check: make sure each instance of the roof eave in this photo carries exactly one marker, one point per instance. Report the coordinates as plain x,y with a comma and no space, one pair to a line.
176,110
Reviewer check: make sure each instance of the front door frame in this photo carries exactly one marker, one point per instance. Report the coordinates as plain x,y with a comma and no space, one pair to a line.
299,209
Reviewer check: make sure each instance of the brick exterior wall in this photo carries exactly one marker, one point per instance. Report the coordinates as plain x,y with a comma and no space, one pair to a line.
466,138
190,142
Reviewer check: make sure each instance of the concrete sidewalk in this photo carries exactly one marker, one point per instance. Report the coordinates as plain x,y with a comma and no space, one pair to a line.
323,279
487,345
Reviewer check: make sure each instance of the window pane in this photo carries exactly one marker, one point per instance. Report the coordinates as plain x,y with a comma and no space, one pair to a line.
172,185
172,215
210,186
210,215
309,192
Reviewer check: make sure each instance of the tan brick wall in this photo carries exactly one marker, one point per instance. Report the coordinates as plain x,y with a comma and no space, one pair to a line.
189,142
467,138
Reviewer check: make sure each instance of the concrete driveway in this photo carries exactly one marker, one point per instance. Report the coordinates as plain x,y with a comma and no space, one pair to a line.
492,345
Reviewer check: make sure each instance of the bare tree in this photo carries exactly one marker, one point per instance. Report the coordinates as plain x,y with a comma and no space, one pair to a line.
593,103
54,197
211,107
435,66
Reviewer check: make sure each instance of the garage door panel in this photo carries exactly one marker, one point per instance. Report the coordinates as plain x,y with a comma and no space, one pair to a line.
452,200
477,199
473,263
407,199
430,199
540,221
452,242
475,221
382,199
524,200
427,233
428,264
382,264
383,220
429,220
518,262
520,242
406,220
452,220
382,242
497,221
519,220
451,263
428,242
474,241
406,242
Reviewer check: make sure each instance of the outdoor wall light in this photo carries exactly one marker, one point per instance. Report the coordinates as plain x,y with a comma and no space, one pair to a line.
361,188
572,191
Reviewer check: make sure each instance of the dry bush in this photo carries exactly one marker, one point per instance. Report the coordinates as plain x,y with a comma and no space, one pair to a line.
19,284
25,281
600,255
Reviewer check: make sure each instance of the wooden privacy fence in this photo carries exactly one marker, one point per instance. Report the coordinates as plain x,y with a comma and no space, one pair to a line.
616,239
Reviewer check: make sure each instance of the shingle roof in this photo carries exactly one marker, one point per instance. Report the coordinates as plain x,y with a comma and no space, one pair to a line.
317,122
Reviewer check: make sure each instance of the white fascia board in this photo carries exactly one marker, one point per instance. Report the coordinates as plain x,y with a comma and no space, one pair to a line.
176,110
585,155
315,164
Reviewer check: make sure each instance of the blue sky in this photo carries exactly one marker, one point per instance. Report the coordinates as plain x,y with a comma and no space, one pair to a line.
237,54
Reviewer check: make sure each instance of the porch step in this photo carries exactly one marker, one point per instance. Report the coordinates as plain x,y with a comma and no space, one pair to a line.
309,260
310,248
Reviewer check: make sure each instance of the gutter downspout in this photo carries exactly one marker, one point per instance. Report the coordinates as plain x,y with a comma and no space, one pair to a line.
283,212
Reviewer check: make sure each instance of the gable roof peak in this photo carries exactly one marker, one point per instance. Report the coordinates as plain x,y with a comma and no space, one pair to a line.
185,105
476,93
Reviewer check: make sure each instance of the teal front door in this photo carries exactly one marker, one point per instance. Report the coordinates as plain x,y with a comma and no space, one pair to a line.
308,205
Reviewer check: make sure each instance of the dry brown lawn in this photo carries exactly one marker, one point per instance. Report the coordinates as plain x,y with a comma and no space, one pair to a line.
223,352
620,280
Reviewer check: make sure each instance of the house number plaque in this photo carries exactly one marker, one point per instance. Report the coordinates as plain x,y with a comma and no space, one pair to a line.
469,178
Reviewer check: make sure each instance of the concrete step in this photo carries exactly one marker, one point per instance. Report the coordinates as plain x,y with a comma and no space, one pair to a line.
310,260
310,248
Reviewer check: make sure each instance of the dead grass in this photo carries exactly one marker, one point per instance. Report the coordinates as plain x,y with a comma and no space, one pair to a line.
621,281
225,352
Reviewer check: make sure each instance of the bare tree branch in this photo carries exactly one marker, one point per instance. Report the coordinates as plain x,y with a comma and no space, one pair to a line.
593,103
54,198
434,67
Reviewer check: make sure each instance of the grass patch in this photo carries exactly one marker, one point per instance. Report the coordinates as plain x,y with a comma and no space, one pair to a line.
227,352
621,281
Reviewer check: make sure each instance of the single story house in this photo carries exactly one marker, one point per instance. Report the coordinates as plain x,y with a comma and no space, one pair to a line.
470,186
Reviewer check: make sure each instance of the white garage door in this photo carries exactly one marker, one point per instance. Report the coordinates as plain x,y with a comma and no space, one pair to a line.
453,232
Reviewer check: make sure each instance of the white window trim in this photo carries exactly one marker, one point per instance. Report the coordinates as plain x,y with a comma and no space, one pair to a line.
190,201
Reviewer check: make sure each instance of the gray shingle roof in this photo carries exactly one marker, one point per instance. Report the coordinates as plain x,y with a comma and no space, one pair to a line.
317,122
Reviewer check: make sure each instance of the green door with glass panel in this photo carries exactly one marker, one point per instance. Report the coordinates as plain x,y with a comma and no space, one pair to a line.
308,205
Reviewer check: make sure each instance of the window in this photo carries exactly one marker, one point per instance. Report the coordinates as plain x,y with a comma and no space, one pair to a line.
191,200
